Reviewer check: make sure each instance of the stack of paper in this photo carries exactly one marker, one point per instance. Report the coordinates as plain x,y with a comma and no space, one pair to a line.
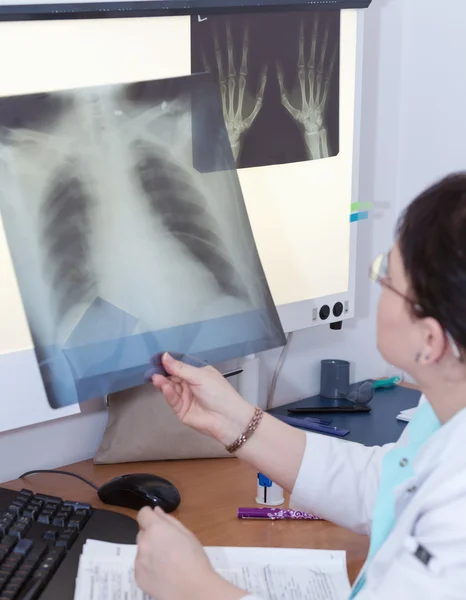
405,415
106,571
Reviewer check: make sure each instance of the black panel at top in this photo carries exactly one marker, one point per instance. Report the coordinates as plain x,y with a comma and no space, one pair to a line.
20,10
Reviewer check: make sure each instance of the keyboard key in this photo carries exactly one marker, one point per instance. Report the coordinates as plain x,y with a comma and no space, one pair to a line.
66,539
49,499
18,531
50,535
21,527
77,505
23,547
64,513
6,521
30,512
26,493
78,521
24,521
8,542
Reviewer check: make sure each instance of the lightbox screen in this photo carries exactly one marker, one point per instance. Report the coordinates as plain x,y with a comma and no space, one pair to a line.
123,247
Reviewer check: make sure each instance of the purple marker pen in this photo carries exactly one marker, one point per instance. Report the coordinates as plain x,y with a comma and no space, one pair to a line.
275,514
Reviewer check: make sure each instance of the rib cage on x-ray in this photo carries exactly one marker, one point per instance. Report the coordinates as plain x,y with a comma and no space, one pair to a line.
66,232
173,195
144,193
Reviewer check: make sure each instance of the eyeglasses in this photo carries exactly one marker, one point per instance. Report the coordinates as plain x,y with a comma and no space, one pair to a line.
379,274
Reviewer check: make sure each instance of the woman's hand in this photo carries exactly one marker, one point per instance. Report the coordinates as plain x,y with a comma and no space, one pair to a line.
171,563
202,399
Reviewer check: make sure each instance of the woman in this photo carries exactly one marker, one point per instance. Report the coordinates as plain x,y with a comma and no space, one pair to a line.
409,496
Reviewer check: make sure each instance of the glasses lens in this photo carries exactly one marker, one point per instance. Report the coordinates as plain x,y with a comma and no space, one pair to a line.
379,268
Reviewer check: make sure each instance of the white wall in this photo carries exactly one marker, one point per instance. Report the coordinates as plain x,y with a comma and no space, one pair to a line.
433,115
76,438
379,165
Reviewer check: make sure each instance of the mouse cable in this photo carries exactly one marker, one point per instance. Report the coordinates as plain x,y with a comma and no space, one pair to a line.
58,473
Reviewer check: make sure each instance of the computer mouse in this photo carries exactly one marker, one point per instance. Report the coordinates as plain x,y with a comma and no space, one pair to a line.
140,489
157,367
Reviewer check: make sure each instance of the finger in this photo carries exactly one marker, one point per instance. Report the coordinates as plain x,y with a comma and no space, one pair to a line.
320,68
161,514
231,72
281,83
188,373
284,94
323,51
259,98
243,72
315,30
167,387
146,518
311,65
159,380
244,55
302,83
172,394
301,45
328,77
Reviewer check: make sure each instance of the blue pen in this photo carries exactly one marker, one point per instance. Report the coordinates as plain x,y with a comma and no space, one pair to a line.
310,425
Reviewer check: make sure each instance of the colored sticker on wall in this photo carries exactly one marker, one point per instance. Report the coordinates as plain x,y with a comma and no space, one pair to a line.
359,216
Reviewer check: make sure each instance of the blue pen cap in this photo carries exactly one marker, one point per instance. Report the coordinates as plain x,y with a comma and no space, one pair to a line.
263,480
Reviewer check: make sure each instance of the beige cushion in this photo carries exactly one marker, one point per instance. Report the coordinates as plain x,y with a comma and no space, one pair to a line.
142,427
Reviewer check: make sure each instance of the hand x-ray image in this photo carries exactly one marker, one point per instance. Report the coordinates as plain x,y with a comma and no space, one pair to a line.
122,248
278,75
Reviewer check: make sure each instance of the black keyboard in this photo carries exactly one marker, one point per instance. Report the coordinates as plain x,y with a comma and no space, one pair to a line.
41,539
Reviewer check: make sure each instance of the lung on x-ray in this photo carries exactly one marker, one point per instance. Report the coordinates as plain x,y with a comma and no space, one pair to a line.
123,246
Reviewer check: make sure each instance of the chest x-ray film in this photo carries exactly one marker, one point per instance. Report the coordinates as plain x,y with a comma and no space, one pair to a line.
122,248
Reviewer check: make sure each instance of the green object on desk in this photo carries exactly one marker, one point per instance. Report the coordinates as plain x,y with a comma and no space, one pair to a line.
387,383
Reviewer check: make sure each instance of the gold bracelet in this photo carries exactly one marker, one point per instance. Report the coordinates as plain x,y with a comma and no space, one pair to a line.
250,429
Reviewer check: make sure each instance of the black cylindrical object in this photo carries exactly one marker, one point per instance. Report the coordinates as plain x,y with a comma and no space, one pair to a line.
334,378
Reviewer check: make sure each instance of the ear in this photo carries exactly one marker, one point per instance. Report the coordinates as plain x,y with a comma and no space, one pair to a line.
434,342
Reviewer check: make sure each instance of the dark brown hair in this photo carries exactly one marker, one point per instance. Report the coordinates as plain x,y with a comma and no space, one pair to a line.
432,240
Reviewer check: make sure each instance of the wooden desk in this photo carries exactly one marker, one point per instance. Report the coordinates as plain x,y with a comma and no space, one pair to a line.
211,492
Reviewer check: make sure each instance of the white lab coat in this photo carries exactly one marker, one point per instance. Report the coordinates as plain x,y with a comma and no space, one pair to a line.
339,480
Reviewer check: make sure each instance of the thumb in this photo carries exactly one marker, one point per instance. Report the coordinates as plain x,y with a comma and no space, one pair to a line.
180,369
146,517
169,519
